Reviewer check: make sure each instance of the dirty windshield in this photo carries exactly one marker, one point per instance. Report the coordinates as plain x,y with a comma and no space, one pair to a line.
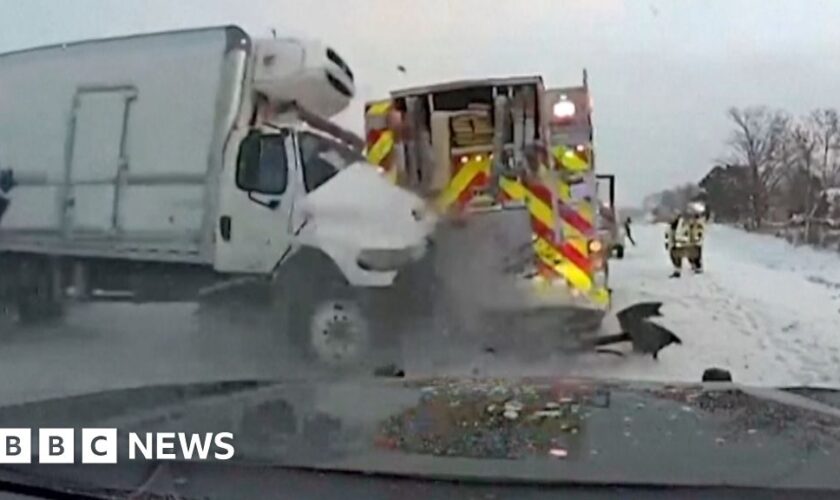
322,157
471,242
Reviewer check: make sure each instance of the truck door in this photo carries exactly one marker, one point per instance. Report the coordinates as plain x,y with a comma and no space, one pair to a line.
96,159
253,232
605,189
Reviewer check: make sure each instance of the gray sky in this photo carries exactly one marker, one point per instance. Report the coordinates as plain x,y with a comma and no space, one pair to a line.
662,72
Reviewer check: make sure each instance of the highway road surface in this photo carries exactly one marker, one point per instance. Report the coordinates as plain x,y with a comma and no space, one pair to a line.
765,310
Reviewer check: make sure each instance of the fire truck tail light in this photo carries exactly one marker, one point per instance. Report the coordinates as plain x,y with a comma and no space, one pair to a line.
595,246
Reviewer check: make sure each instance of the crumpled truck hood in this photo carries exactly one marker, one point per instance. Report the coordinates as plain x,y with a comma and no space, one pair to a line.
358,208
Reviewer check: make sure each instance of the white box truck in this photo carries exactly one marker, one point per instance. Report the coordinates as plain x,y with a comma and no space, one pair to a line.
160,165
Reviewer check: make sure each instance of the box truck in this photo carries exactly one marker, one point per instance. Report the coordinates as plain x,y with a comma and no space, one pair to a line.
158,166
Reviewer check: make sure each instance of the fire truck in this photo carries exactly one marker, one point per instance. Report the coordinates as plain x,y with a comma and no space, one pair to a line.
510,167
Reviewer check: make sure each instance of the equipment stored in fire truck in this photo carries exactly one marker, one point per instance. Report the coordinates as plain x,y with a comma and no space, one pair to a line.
510,165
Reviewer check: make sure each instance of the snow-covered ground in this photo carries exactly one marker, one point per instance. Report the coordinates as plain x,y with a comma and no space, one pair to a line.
765,310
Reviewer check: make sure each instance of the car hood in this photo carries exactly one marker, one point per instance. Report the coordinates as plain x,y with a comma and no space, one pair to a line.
534,430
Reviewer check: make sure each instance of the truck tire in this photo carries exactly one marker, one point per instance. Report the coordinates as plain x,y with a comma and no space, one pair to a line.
329,322
331,325
619,251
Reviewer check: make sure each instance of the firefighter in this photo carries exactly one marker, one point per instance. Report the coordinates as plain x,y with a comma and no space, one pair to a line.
629,234
685,239
676,242
696,230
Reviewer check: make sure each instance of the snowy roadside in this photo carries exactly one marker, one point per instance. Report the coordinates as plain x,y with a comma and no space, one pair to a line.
764,309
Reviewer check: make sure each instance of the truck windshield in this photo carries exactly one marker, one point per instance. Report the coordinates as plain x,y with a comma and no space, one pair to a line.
322,158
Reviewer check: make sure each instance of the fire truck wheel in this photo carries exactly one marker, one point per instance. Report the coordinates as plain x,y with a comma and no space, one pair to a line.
619,252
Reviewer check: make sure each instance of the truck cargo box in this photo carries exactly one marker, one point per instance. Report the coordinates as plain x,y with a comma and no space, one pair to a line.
112,143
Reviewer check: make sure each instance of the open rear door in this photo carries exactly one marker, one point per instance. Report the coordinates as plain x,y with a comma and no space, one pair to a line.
607,220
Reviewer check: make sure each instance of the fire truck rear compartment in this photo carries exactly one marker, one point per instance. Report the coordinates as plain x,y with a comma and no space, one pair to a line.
483,260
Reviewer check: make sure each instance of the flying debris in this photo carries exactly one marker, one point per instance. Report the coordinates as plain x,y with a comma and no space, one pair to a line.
646,336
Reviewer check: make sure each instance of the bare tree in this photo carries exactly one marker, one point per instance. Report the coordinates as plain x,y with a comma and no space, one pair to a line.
825,124
803,142
759,141
804,186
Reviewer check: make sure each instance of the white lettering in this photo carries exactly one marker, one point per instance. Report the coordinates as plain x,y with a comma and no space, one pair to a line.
146,446
99,446
15,446
55,446
195,444
165,443
219,440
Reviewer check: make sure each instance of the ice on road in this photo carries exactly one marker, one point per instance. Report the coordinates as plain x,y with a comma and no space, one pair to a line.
764,309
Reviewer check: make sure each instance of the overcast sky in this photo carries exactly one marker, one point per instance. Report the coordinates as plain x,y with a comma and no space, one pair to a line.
662,72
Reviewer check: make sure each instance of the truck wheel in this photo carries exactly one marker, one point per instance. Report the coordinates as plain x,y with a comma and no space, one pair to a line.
331,326
619,251
338,333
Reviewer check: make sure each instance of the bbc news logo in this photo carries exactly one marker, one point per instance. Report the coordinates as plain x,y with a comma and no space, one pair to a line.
101,446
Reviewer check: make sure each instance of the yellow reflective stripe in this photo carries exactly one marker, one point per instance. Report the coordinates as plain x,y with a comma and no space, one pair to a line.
585,211
600,295
564,191
552,257
539,209
576,276
546,252
379,108
574,238
377,153
460,182
569,231
513,188
569,159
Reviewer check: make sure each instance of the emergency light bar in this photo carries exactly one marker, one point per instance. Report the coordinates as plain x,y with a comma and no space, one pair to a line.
564,109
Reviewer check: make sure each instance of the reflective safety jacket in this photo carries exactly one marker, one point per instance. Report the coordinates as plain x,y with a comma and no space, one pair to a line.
696,230
684,232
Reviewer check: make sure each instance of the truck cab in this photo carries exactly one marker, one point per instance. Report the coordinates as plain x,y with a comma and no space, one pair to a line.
287,167
327,198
